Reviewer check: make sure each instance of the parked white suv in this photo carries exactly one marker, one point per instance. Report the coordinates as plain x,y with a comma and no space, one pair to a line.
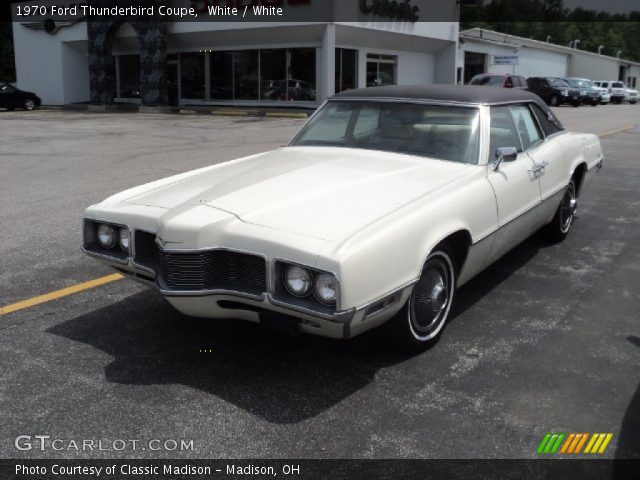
605,96
615,88
631,95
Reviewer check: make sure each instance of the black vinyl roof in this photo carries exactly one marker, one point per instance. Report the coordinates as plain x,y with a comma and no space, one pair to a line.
480,95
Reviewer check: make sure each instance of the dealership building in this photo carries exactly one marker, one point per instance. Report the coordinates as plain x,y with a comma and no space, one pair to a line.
292,63
236,63
485,51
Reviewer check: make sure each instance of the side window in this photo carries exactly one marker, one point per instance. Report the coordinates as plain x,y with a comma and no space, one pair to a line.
502,132
526,126
548,126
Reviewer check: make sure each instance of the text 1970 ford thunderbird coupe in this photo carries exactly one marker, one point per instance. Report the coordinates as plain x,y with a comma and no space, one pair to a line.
387,200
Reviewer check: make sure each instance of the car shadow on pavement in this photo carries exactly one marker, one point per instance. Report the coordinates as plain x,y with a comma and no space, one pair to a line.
628,445
279,378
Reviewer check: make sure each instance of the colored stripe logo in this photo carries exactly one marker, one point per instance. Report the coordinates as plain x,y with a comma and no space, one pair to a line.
574,443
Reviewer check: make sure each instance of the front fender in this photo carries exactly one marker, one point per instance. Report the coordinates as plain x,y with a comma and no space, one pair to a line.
391,253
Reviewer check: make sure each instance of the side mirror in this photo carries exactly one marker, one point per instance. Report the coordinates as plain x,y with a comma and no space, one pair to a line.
505,154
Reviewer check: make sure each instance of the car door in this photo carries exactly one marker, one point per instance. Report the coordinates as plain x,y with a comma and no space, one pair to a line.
550,165
515,186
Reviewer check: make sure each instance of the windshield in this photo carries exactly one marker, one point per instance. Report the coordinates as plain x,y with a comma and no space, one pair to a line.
617,85
558,82
486,80
445,133
574,82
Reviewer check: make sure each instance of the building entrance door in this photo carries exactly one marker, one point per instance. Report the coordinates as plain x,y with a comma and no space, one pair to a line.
474,64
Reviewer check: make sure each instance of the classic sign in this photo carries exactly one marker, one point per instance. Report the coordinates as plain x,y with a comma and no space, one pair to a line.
387,200
402,10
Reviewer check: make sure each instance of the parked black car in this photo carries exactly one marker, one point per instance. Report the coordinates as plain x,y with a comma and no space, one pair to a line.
554,91
588,93
12,98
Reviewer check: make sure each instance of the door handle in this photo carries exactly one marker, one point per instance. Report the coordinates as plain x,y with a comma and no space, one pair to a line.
538,168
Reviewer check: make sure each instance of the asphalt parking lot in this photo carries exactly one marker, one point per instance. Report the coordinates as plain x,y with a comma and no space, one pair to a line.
547,339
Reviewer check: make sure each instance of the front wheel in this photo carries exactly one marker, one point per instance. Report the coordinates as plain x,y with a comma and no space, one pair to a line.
562,221
554,101
29,104
419,323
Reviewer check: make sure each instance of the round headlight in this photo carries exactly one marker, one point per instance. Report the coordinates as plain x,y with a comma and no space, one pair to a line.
123,239
106,236
298,281
325,286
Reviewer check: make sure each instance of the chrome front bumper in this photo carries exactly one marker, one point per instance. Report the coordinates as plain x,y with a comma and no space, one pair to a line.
260,308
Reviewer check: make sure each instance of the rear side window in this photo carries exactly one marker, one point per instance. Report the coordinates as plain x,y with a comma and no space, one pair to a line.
503,132
526,126
549,126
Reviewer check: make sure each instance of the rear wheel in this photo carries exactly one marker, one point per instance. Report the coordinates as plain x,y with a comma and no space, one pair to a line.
562,221
420,322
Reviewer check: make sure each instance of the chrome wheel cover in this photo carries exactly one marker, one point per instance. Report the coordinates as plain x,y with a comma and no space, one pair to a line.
29,104
568,208
431,298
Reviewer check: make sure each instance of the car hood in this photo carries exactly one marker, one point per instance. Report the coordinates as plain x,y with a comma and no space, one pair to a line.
325,193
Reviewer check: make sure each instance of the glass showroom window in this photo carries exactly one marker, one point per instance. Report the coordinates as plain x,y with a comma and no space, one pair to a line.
273,74
221,64
381,70
128,76
346,69
192,75
302,74
262,74
246,80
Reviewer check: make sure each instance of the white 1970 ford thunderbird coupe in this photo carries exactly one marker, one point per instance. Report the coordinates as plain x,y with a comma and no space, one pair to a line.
387,200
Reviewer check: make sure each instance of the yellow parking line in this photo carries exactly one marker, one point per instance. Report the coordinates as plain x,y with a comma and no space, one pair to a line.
619,130
65,292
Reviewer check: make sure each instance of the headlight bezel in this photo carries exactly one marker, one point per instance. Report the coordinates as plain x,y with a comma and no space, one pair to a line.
91,245
311,300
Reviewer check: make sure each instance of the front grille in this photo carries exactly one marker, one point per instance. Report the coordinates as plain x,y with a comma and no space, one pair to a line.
214,270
